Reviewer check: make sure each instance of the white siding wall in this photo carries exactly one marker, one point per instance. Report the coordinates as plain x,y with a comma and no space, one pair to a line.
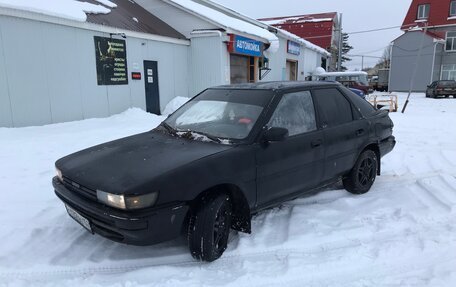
209,63
48,74
308,61
312,60
6,119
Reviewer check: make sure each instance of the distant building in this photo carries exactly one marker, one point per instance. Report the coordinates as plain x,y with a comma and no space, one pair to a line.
431,25
319,29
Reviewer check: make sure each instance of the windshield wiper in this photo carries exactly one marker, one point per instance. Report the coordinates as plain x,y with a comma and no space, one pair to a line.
169,128
211,137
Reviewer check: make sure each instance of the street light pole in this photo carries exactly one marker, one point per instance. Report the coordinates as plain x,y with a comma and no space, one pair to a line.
418,58
339,60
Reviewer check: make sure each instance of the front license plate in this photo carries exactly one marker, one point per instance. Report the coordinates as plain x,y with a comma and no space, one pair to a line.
79,218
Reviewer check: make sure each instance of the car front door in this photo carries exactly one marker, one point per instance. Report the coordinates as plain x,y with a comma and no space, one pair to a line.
288,167
344,129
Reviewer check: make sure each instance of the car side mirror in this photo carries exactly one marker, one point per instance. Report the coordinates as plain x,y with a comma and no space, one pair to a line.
275,134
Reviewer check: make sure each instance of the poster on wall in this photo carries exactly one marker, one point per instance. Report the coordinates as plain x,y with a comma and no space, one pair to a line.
111,58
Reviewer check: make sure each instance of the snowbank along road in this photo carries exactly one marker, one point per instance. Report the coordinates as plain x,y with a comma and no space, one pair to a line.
401,233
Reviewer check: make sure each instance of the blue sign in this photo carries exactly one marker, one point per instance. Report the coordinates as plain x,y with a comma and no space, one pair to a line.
246,46
294,48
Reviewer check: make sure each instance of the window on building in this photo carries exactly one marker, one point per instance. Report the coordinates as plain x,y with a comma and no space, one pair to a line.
423,11
453,8
450,41
448,72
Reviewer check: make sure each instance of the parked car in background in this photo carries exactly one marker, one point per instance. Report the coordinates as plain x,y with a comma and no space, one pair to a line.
356,80
359,93
441,89
381,81
228,153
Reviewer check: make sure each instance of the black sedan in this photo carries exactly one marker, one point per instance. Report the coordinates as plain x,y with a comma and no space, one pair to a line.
441,89
228,153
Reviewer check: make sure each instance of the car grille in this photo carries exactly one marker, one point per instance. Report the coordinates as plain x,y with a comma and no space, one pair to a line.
79,189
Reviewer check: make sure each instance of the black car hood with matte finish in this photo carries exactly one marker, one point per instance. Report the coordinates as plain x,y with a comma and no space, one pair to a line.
123,166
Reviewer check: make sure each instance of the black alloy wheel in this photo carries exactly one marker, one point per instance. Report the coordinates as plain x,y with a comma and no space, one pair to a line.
363,174
209,227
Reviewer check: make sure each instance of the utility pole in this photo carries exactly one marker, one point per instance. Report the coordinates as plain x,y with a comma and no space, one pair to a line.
362,63
418,58
339,60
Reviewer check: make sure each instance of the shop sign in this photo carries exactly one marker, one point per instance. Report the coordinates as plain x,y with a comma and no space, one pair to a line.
111,60
246,46
294,48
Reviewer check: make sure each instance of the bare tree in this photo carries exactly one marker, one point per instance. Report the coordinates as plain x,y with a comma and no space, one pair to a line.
384,61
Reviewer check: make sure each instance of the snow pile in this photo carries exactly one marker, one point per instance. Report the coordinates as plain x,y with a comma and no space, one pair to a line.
174,104
68,9
230,22
401,233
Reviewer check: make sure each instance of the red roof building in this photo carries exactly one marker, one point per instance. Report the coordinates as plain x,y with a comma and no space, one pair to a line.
434,12
319,29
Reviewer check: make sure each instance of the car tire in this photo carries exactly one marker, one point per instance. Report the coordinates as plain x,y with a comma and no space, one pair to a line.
209,227
362,176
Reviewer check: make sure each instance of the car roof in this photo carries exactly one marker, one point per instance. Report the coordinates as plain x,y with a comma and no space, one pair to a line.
278,85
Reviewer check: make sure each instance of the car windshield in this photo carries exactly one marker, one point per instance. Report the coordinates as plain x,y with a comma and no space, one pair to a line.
216,113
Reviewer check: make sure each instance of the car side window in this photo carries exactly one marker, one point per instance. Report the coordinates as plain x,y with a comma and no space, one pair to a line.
334,109
295,112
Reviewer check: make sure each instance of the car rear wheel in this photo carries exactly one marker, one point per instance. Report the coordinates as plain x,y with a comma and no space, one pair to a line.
362,176
209,228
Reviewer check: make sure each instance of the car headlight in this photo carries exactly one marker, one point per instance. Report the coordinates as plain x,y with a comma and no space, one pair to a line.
127,202
59,174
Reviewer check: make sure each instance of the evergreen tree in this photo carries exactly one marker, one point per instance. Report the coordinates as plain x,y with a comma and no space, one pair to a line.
346,48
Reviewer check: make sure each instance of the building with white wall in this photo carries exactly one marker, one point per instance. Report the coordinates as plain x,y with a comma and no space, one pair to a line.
58,66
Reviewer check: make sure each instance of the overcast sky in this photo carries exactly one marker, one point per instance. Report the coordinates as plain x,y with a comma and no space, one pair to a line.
358,15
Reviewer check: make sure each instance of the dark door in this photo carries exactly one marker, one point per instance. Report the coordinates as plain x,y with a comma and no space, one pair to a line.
291,166
151,83
344,131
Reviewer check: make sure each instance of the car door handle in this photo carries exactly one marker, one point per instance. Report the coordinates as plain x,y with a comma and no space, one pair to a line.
316,143
360,132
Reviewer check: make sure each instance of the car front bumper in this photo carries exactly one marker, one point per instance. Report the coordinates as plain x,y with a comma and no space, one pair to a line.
141,227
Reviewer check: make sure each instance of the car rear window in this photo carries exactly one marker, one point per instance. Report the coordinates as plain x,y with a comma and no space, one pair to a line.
447,83
363,106
333,107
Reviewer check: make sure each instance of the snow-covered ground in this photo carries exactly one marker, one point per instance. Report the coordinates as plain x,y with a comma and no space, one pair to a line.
402,233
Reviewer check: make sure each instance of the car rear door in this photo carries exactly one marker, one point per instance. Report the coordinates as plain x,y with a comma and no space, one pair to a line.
345,131
290,166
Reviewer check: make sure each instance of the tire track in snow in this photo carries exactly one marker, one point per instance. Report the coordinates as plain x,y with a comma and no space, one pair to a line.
230,258
440,196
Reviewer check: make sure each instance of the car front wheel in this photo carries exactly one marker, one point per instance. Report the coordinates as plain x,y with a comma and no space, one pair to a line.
209,227
362,176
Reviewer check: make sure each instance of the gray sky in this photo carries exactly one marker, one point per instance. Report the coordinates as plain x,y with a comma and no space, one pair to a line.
358,15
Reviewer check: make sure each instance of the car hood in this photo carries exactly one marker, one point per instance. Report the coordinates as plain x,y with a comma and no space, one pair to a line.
126,165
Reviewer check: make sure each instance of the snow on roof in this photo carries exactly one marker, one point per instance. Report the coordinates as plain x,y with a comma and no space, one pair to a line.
68,9
295,20
347,73
229,22
308,18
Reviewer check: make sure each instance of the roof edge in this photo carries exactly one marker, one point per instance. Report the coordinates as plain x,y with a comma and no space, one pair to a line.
29,15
